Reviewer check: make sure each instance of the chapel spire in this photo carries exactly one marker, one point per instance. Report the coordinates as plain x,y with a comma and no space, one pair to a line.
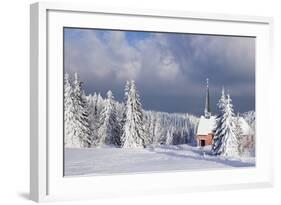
207,110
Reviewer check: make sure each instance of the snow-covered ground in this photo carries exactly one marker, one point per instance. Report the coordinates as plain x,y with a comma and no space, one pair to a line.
109,160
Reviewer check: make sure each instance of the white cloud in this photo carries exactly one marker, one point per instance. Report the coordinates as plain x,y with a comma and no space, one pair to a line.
113,56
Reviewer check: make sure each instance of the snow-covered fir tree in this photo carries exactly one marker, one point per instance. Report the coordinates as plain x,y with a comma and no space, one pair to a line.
169,139
150,124
94,100
127,90
134,134
99,104
219,128
81,125
160,133
124,111
229,147
226,142
109,131
93,118
70,140
90,108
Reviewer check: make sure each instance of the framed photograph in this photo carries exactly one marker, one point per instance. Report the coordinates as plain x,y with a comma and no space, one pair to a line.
130,102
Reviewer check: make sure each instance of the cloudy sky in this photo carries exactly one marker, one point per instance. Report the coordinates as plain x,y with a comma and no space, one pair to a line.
170,69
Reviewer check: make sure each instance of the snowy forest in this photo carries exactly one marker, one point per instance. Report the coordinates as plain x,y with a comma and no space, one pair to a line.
93,120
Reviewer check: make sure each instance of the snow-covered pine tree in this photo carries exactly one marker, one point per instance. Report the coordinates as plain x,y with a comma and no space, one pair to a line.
146,125
81,122
127,90
94,101
151,118
159,131
109,131
124,117
219,128
229,146
169,139
70,140
134,134
99,104
92,117
90,108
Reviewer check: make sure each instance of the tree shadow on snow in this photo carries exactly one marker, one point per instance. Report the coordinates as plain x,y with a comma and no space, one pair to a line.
201,156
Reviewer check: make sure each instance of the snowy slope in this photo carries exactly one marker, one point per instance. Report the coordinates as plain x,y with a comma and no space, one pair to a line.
108,160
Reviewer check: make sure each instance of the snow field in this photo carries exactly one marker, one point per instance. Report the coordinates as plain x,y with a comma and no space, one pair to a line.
111,160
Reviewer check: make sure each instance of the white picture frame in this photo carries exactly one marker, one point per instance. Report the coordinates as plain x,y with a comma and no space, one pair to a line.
46,134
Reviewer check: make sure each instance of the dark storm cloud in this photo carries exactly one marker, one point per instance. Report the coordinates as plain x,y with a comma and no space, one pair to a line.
170,69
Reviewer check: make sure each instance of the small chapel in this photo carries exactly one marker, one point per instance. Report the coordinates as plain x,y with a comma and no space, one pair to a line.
207,123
